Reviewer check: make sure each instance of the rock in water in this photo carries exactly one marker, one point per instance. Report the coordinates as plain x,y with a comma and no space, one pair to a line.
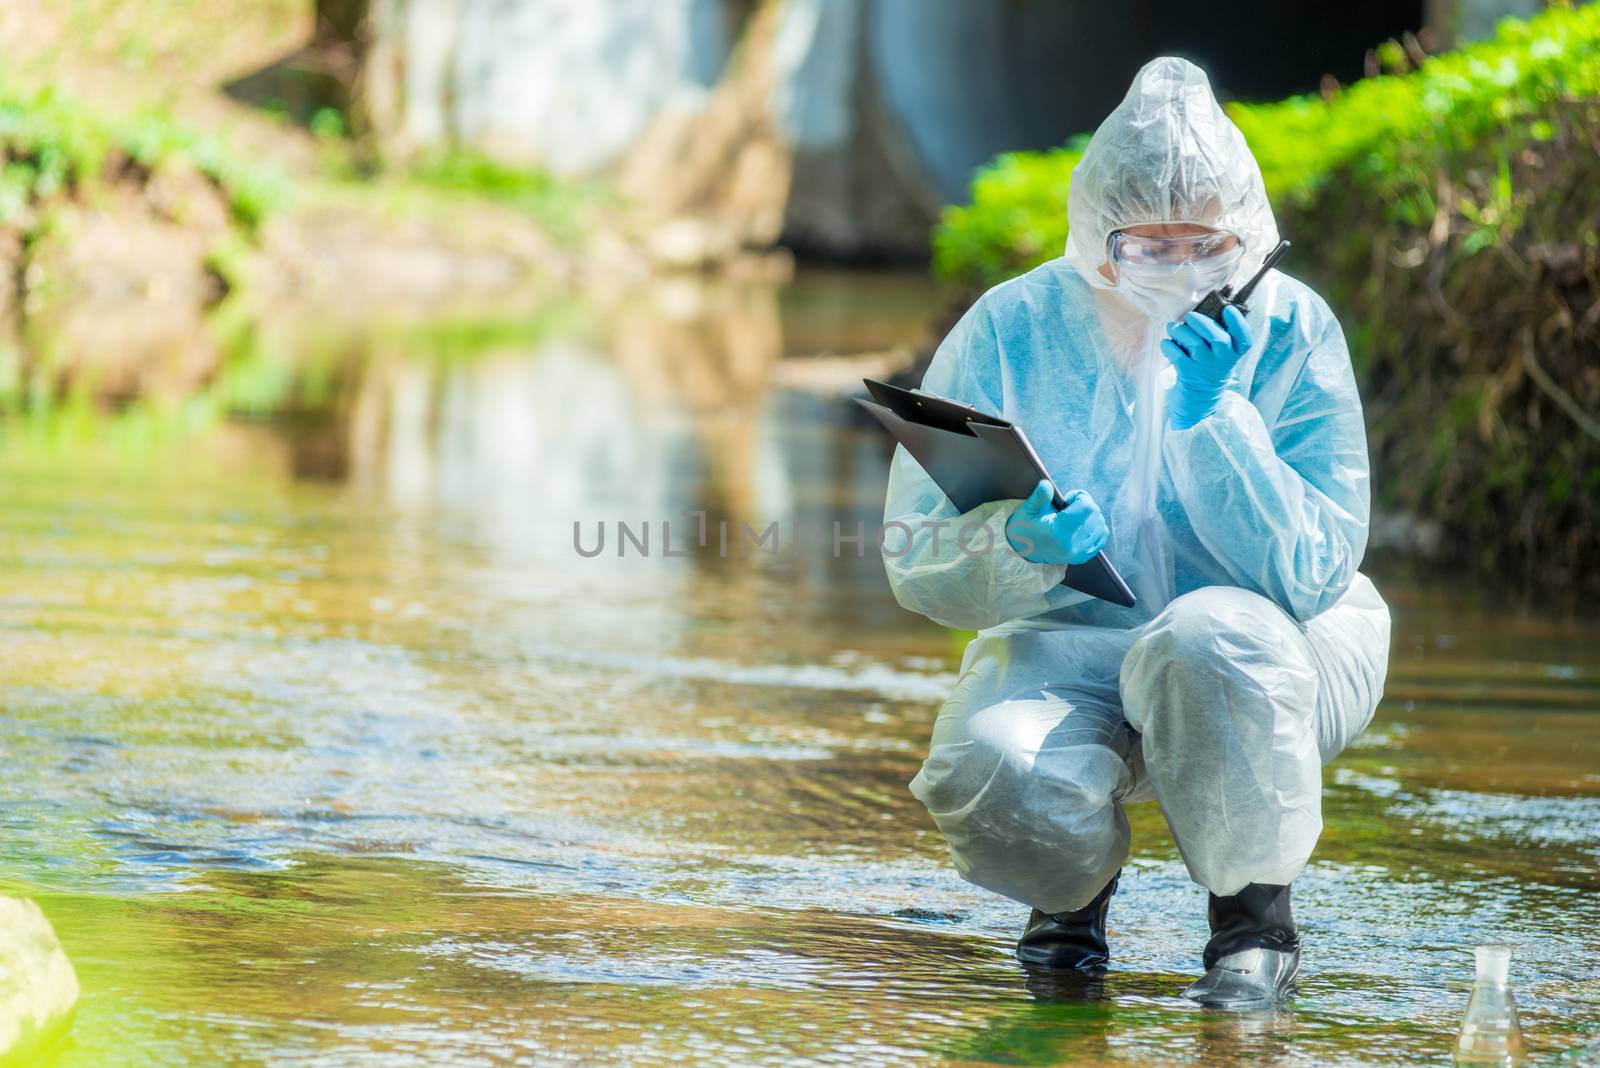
38,989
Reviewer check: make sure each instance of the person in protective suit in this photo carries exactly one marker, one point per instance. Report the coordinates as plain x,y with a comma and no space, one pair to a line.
1223,468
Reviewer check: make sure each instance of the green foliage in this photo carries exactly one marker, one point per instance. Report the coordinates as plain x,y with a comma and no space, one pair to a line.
1388,130
557,203
328,124
52,145
1017,217
1385,133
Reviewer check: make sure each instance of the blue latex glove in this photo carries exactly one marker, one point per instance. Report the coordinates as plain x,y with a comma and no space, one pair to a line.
1204,354
1045,536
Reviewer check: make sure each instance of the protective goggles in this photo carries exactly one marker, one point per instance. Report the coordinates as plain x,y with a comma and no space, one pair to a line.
1133,250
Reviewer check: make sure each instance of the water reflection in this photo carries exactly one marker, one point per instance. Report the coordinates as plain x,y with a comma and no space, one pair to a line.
306,690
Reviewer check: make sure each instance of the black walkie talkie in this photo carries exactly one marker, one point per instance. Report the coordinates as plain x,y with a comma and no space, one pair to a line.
1218,299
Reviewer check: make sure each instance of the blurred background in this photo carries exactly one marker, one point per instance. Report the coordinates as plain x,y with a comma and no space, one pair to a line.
323,323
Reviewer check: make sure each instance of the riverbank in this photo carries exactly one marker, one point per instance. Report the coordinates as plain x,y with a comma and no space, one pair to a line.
95,206
155,163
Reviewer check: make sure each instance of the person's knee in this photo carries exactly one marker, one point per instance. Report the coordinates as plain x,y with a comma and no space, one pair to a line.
967,762
1003,758
1213,640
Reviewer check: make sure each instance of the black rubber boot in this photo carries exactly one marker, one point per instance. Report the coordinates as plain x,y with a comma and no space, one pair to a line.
1069,941
1254,952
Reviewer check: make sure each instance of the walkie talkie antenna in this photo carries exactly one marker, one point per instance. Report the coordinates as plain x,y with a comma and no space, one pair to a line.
1212,304
1266,265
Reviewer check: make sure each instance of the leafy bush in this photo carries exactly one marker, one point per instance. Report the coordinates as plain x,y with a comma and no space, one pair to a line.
1017,218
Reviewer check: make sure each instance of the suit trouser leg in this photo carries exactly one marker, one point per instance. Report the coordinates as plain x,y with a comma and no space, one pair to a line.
1238,706
1028,794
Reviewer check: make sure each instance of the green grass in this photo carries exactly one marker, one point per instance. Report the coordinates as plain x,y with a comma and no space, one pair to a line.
53,145
560,205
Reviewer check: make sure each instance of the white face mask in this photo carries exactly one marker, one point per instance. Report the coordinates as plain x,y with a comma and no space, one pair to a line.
1166,293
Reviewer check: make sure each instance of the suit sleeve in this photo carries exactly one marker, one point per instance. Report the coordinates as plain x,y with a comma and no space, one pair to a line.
958,569
1284,507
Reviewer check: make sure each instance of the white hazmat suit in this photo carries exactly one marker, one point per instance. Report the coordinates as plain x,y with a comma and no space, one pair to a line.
1257,651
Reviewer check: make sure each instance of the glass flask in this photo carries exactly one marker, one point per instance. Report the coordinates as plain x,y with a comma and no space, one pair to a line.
1490,1033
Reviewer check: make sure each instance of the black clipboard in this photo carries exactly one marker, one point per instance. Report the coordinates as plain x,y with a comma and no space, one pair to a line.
974,458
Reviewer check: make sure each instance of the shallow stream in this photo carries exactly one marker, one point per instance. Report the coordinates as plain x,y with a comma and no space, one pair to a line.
323,745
